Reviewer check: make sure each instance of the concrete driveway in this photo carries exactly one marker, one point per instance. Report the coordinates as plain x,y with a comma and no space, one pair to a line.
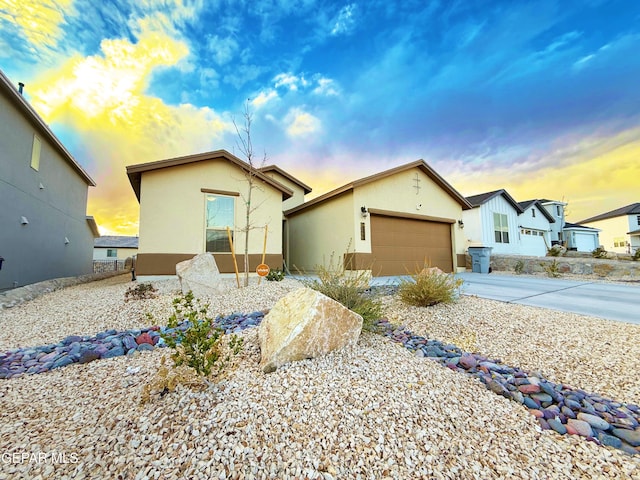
611,301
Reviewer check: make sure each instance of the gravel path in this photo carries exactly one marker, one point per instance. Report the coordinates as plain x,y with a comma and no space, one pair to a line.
373,411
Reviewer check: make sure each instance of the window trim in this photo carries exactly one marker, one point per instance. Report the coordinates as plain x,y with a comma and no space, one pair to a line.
223,194
500,231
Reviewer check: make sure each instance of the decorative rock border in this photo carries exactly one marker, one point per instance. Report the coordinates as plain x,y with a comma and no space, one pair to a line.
558,407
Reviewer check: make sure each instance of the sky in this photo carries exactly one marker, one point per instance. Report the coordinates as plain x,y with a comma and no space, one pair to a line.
541,98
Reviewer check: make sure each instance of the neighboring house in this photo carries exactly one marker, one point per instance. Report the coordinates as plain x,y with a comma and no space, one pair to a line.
619,228
187,204
113,247
493,221
556,210
45,232
390,223
581,238
535,226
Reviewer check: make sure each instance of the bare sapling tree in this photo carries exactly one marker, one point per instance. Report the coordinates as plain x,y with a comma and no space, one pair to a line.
245,146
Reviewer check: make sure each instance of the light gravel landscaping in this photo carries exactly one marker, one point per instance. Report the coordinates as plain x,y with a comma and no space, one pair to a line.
373,411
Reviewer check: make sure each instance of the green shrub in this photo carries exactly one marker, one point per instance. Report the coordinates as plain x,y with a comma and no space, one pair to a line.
140,291
275,275
200,345
429,287
348,287
519,267
599,252
636,256
556,251
551,269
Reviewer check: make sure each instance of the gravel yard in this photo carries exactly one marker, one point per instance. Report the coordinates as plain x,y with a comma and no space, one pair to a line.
373,411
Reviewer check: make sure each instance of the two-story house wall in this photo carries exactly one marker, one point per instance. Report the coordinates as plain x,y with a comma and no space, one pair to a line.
556,210
534,228
44,229
620,228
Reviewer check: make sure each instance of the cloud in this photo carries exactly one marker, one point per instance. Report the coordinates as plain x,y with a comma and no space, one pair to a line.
40,21
263,98
326,87
223,49
344,22
300,123
287,80
102,99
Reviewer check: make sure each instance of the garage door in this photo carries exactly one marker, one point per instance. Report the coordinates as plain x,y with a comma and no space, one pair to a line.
585,242
401,245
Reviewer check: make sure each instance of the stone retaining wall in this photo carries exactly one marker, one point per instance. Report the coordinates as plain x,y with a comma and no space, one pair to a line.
16,296
604,268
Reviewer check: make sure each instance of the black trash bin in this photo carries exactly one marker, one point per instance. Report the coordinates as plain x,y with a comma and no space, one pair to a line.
480,259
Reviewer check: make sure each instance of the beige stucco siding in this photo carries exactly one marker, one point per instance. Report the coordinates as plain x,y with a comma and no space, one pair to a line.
612,229
316,233
172,208
298,192
398,193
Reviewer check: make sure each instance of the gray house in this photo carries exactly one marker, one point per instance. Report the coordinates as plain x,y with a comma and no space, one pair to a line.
44,229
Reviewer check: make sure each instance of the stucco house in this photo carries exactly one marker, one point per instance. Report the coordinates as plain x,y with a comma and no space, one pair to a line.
581,238
187,203
45,232
390,223
619,228
493,221
114,247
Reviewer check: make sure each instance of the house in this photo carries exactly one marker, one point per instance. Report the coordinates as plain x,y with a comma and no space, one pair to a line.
535,228
556,210
390,223
493,221
298,188
196,204
114,247
581,238
619,228
45,232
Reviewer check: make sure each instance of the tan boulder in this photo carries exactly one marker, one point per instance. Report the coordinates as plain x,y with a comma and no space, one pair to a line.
305,324
200,275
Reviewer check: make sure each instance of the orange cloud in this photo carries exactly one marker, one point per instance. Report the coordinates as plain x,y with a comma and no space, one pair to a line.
103,98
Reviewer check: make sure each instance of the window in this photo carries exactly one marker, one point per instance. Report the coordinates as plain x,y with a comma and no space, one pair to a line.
638,219
619,242
35,153
533,212
558,211
362,232
501,228
112,252
220,214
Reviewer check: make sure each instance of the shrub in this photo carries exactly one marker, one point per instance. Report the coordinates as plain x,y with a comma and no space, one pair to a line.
429,287
636,256
348,287
551,269
199,346
599,252
167,380
556,251
275,275
519,267
140,291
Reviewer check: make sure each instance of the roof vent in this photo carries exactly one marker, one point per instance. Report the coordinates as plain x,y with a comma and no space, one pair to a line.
20,87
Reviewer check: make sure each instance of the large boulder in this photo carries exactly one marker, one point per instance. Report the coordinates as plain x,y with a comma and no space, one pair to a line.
305,324
200,275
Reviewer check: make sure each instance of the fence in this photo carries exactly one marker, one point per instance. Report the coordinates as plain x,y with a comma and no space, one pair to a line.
102,266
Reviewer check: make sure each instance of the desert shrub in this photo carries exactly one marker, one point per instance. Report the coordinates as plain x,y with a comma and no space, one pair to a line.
275,275
348,287
552,269
519,267
599,252
603,269
200,345
166,380
556,251
636,256
429,287
140,292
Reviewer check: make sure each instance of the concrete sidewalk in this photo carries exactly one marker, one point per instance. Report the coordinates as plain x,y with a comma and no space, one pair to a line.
611,301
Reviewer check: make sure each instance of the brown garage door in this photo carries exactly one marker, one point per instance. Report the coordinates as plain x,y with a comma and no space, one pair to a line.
401,245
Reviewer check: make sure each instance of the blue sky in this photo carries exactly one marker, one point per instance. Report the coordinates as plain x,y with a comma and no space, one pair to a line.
541,98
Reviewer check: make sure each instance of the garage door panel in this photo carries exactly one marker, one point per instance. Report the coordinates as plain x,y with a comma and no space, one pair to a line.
401,245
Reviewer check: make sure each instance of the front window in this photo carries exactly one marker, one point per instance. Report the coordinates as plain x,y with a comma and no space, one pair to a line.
35,153
112,253
220,214
638,219
501,228
533,212
558,210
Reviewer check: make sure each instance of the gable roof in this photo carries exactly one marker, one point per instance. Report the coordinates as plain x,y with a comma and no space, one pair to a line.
576,226
421,164
632,209
134,172
538,203
116,241
482,198
15,97
274,168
